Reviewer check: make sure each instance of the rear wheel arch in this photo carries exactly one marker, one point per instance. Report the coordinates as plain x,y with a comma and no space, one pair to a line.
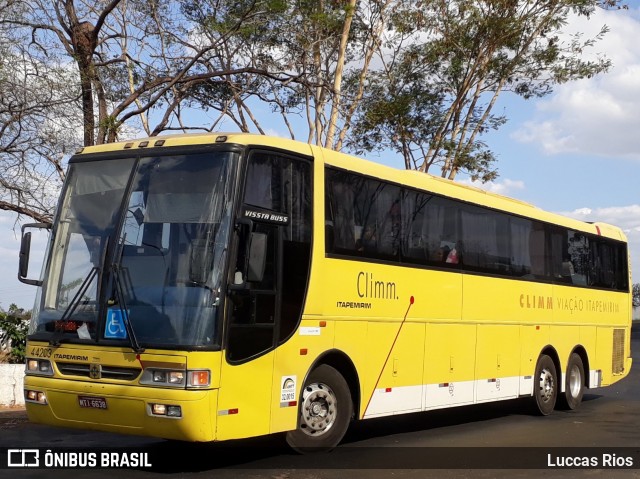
553,354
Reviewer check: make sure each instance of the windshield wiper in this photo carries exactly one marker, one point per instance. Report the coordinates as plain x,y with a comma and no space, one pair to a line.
122,305
121,302
58,334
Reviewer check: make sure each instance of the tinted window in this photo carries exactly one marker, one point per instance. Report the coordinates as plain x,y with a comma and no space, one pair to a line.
372,219
269,311
526,247
433,226
364,216
278,184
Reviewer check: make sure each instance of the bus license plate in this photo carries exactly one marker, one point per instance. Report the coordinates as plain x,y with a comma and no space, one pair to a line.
92,402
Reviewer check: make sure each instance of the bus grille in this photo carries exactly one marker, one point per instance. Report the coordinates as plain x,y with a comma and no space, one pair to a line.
107,372
618,351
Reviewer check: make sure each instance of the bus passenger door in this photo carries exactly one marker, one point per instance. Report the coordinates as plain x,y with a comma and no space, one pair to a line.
270,275
247,367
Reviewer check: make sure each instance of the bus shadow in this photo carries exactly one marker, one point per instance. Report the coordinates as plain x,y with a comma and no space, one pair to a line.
436,419
272,452
269,452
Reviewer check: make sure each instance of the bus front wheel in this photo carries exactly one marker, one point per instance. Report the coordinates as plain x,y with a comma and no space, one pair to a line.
324,413
545,386
574,384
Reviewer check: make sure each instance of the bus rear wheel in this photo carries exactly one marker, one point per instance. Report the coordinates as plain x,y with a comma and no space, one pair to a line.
324,413
574,383
545,385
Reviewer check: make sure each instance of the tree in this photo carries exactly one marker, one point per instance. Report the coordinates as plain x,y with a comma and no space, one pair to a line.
13,333
129,56
324,45
116,63
38,104
418,77
440,68
75,74
435,96
635,294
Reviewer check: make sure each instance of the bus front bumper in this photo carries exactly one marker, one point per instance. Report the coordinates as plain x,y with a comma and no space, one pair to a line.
123,409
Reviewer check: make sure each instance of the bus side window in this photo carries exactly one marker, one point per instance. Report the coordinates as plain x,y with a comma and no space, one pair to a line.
267,312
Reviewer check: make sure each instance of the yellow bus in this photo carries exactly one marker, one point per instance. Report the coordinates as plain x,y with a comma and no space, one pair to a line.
221,286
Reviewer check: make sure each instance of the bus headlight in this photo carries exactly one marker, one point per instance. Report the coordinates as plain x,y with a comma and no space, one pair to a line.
38,397
167,410
163,377
175,377
195,378
40,367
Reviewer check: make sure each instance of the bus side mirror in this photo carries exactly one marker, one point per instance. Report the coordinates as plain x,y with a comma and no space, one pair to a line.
252,257
257,257
25,252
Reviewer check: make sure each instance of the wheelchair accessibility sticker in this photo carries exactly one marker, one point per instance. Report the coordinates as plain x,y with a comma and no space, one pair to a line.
114,327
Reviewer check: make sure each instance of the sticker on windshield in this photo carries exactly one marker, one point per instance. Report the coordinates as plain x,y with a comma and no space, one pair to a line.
114,327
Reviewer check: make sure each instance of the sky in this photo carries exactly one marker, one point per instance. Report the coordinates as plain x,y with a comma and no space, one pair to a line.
574,152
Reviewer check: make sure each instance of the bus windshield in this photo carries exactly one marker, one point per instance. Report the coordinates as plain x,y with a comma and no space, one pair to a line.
142,240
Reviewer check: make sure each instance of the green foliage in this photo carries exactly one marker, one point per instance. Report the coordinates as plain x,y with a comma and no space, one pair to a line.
14,325
419,77
635,293
433,101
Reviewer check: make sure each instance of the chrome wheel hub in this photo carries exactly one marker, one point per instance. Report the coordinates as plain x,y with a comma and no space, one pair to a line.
547,385
575,381
318,409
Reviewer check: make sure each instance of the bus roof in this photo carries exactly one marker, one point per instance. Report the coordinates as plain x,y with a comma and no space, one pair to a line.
192,139
410,178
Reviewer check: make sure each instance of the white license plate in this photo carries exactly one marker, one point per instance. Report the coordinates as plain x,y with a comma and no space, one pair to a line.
92,402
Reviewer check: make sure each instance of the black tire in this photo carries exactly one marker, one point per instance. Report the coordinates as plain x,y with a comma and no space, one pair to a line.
545,385
574,383
324,412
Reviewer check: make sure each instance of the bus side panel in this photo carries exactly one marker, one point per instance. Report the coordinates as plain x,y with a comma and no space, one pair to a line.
398,364
449,365
293,359
244,401
488,299
497,356
351,338
604,341
513,319
495,300
588,340
612,359
534,338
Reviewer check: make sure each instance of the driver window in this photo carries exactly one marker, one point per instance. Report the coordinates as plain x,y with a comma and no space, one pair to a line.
266,312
